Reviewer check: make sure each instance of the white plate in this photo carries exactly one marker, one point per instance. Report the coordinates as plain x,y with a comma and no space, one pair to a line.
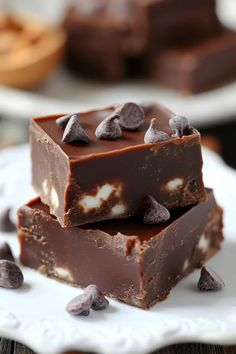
62,93
35,314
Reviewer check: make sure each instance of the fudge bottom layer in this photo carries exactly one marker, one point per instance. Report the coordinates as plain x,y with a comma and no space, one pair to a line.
129,261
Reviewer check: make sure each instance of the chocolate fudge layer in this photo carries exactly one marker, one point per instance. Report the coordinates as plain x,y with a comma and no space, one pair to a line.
127,260
111,179
197,66
103,34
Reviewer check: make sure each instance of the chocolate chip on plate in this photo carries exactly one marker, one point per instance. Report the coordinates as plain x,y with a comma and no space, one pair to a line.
153,135
62,121
99,300
6,252
209,280
6,225
11,276
180,126
156,213
109,128
92,298
80,305
131,116
74,132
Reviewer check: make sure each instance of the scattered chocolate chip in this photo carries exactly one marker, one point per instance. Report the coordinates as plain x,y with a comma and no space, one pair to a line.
156,212
210,280
11,276
62,121
80,305
180,126
92,298
99,300
109,128
131,116
74,132
147,107
6,224
153,135
6,252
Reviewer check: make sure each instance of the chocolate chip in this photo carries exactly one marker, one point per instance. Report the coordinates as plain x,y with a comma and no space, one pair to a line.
11,276
74,132
6,225
92,298
153,135
180,126
99,300
80,305
62,121
210,280
131,116
109,128
156,212
5,252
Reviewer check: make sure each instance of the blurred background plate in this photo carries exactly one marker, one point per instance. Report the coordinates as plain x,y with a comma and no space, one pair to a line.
62,93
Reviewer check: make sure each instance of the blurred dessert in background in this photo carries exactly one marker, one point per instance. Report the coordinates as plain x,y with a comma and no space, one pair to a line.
112,39
29,50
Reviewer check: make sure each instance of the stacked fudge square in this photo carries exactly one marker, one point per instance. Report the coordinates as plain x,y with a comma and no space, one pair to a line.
122,202
177,43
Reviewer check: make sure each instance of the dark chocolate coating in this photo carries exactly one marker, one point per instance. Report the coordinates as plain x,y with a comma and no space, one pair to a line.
126,259
197,66
120,173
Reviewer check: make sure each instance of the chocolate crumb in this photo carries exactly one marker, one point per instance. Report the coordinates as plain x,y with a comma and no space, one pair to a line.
6,252
153,135
62,121
109,128
131,116
11,276
74,133
6,225
180,126
209,280
92,298
156,212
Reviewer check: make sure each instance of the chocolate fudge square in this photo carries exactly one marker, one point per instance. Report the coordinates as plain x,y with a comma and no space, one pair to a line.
128,260
197,66
103,36
85,183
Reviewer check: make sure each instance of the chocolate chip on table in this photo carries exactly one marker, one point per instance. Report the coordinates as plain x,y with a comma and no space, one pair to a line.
11,276
209,280
131,116
74,132
109,128
62,121
153,135
92,298
6,252
156,213
6,225
180,126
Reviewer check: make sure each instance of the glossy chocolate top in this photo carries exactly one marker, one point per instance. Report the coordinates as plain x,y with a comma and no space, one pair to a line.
132,226
90,120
